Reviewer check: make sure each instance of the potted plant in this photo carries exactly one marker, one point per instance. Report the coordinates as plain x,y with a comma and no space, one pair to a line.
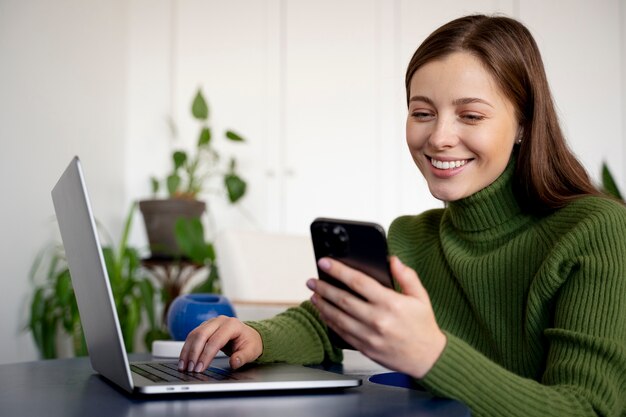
54,311
190,172
197,260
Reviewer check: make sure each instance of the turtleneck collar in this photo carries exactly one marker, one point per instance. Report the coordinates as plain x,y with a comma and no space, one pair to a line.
487,208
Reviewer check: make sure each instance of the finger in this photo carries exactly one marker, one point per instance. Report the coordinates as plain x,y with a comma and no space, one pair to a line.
223,334
357,281
353,340
243,343
194,344
344,323
339,298
246,351
407,278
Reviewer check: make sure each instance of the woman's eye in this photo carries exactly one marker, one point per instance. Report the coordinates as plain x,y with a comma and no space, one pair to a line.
422,115
472,118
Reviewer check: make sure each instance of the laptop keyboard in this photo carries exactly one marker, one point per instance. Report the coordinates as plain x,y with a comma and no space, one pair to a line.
168,372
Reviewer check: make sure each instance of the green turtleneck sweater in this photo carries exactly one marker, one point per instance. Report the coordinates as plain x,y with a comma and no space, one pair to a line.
534,308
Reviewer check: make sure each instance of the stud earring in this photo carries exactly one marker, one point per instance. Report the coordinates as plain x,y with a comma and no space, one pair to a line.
519,141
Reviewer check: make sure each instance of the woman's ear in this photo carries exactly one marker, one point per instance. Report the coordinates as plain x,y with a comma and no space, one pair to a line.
520,135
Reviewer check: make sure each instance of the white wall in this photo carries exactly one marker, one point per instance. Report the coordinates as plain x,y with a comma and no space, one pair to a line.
63,71
316,87
582,52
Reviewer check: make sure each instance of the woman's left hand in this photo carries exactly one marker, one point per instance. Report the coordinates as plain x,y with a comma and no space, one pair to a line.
397,330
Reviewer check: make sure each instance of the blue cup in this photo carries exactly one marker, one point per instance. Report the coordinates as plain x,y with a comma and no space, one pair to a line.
188,311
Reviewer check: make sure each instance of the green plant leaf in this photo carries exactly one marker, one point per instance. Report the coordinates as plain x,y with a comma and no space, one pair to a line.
609,185
179,158
205,137
49,350
210,252
109,261
123,253
126,289
147,295
189,235
67,320
130,322
234,136
52,267
34,267
211,284
37,316
173,183
235,186
155,185
63,289
132,262
199,107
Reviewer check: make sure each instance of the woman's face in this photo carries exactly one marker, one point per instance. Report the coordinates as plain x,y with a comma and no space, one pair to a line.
460,128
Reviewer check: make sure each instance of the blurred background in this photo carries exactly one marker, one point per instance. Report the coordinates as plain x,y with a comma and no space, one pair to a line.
315,87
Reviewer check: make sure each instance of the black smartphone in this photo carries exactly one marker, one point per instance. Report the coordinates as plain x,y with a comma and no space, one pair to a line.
360,245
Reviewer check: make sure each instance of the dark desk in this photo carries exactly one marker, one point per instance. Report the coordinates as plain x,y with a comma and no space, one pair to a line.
69,387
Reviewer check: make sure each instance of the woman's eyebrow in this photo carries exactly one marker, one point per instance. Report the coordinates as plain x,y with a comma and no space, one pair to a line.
422,98
469,100
455,102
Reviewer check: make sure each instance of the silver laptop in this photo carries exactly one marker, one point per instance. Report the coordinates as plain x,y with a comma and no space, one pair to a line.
102,330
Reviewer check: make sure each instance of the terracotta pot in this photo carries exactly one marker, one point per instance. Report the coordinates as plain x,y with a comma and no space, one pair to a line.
160,218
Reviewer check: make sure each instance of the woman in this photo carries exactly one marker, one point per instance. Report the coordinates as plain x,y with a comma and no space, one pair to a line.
512,298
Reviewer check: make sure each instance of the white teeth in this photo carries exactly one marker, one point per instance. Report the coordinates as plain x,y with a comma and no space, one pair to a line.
447,164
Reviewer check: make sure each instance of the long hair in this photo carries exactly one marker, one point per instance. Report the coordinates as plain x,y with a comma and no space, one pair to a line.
548,175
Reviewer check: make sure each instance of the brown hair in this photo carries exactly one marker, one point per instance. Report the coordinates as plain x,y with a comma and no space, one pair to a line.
547,175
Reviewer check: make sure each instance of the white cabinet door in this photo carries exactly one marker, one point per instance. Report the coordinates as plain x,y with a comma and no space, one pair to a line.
331,138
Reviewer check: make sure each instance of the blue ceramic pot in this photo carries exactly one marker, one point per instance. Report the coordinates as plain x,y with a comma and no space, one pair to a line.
188,311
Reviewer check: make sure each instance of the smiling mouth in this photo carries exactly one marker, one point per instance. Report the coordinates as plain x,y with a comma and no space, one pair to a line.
447,164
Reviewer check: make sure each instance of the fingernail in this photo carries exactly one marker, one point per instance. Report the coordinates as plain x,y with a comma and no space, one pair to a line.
310,284
237,362
199,367
324,264
181,365
314,299
190,366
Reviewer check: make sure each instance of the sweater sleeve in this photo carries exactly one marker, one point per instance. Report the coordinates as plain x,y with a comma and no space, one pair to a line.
490,390
585,369
298,336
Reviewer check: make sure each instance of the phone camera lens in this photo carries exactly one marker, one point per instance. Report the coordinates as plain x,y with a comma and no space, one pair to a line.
338,241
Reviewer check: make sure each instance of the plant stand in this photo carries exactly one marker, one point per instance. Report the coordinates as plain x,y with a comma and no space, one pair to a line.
173,275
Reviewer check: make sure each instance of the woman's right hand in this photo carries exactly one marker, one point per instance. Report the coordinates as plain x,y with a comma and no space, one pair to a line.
239,341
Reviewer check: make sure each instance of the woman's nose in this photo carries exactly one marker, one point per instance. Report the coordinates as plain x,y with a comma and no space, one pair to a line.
444,134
